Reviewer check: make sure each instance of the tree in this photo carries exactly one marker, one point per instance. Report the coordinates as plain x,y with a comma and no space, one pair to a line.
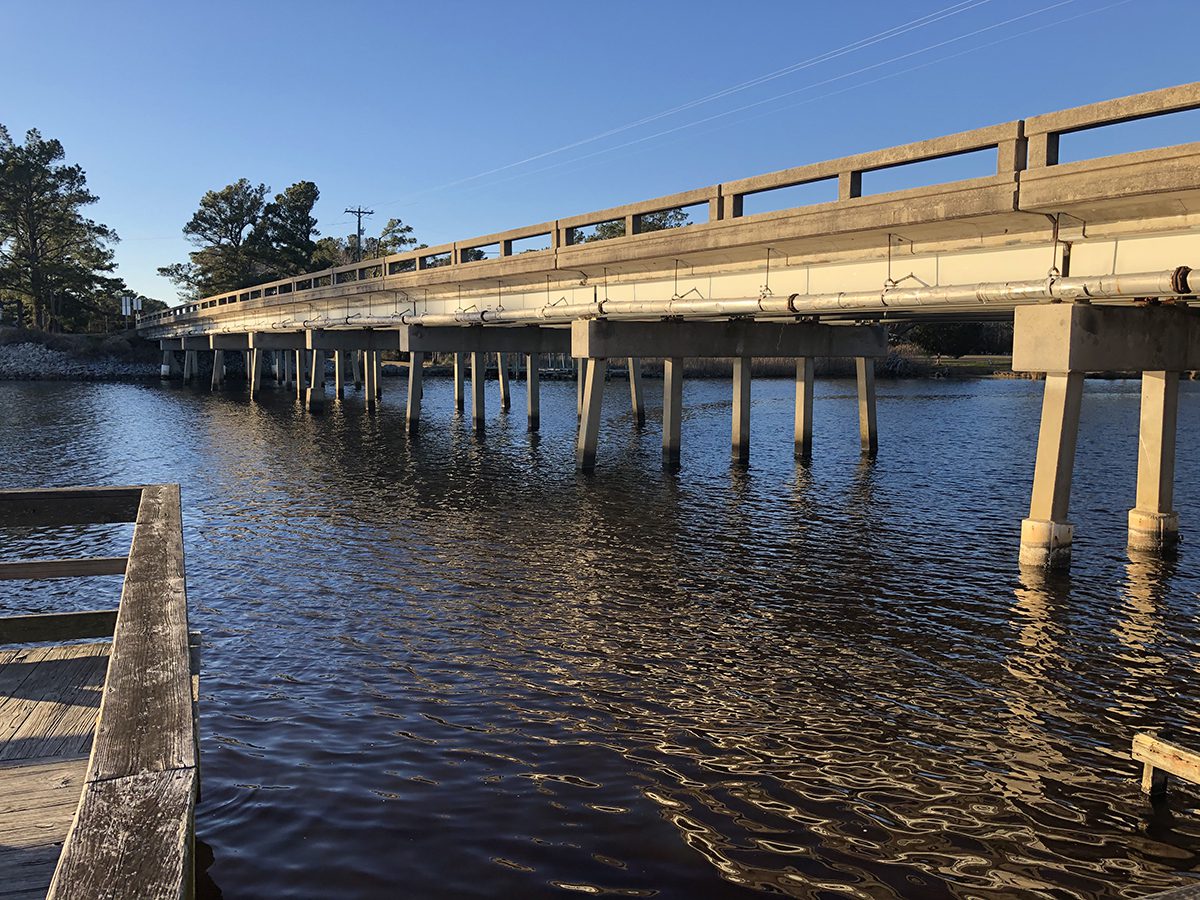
957,339
396,237
655,221
243,239
53,259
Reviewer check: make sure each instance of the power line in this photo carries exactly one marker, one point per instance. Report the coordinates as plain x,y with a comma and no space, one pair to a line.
358,212
896,31
757,103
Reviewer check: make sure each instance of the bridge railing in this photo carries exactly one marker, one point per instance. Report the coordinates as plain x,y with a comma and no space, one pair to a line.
1026,155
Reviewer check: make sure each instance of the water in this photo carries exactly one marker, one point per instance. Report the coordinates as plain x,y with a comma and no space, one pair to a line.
440,667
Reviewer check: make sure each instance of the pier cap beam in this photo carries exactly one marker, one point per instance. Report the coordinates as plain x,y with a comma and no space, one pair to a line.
375,339
196,342
277,340
230,341
607,339
168,344
1079,337
480,339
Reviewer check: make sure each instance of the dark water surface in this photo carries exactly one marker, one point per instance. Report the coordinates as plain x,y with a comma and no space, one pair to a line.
445,667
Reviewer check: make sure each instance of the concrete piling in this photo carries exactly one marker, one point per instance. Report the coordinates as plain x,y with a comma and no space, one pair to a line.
804,406
741,409
635,391
1153,523
672,409
477,395
416,364
867,428
502,374
589,422
532,391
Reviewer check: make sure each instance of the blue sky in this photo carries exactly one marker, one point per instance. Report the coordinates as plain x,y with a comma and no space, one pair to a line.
400,106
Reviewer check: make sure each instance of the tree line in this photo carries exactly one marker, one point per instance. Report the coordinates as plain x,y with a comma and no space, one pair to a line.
244,236
56,263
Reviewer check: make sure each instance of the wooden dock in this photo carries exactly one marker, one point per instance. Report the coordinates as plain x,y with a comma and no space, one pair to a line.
98,739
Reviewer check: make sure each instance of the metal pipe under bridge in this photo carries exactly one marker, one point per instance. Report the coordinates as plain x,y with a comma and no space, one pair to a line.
1092,259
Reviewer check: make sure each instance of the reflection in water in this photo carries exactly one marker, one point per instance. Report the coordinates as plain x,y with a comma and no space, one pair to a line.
451,662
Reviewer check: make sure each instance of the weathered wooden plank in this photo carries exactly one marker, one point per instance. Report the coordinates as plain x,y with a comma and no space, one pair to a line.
57,626
69,506
37,804
146,714
132,837
1158,757
37,569
54,709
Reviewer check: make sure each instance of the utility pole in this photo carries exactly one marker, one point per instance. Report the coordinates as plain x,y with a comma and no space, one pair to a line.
359,212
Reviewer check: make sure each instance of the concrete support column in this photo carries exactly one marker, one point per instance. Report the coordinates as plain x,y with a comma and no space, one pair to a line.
189,366
589,421
459,365
256,370
416,367
218,373
164,370
865,367
532,391
635,391
477,395
369,374
502,374
672,409
300,380
1153,524
378,358
316,386
1046,534
356,368
339,373
804,407
580,373
741,409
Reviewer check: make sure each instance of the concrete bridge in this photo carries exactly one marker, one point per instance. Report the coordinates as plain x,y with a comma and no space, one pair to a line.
1089,257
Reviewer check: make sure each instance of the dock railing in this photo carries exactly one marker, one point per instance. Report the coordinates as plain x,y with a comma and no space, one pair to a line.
133,831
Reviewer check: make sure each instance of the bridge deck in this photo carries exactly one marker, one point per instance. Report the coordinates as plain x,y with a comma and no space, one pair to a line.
49,704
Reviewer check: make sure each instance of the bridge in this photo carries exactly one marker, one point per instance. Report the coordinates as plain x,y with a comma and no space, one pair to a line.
1088,257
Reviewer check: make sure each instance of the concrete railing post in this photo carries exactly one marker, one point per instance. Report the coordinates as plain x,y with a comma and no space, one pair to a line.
804,406
1153,523
1046,534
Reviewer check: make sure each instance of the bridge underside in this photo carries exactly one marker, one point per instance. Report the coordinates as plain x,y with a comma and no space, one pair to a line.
1091,257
